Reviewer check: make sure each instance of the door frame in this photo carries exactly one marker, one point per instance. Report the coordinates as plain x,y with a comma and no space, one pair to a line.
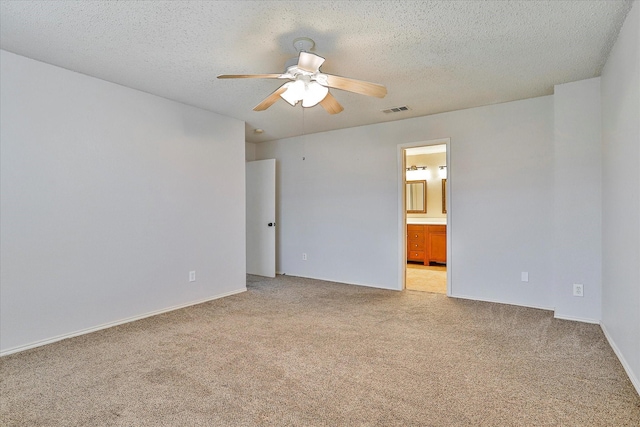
402,212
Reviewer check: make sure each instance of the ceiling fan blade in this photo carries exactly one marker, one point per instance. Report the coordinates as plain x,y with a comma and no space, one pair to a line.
309,61
357,86
249,76
270,100
331,104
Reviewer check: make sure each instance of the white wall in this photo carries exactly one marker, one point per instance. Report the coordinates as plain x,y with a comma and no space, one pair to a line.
621,196
249,151
339,204
109,197
578,199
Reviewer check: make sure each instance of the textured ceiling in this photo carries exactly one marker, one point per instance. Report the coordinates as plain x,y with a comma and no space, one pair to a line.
433,56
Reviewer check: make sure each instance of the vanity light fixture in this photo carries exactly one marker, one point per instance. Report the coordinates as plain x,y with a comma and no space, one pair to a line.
442,172
417,173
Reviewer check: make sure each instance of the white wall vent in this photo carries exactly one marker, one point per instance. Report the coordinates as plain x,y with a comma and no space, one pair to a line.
396,109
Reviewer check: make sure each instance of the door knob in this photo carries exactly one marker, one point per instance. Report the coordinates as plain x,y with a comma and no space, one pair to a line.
271,224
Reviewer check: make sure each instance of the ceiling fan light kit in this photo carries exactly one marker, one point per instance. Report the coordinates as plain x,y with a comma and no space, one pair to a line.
310,93
308,84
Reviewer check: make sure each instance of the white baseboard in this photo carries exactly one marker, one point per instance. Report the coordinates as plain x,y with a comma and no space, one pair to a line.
576,319
499,302
555,315
368,285
634,380
115,323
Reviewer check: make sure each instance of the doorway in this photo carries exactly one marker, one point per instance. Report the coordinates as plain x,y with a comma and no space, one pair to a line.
424,204
260,217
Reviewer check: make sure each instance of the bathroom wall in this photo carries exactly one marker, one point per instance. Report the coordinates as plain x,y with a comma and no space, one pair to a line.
434,182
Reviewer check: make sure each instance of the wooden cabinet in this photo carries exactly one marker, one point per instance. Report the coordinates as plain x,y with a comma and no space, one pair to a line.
427,243
437,242
415,243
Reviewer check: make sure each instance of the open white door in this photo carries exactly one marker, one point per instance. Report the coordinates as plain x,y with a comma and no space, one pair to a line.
261,217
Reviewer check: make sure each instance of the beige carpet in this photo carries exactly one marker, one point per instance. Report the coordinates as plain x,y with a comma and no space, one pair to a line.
426,278
300,352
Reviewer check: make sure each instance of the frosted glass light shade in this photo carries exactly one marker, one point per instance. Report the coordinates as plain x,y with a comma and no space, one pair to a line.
310,93
414,175
294,93
315,93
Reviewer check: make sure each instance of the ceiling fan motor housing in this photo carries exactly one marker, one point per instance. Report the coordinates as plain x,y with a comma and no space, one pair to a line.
291,62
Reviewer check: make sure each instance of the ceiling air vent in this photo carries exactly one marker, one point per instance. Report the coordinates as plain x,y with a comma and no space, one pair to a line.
396,109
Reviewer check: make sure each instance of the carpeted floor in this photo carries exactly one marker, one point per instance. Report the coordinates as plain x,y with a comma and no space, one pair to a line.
301,352
426,278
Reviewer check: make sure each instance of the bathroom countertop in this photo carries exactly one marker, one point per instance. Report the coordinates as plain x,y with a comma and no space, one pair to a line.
427,221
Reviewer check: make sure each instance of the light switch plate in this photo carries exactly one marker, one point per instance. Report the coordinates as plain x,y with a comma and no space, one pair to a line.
524,276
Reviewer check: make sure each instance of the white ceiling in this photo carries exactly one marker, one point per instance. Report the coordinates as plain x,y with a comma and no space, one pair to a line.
433,56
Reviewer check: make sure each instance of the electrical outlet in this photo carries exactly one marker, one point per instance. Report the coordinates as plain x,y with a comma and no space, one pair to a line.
192,276
524,276
304,256
578,290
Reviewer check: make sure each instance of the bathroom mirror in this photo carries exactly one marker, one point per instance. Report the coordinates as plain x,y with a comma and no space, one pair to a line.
444,196
416,197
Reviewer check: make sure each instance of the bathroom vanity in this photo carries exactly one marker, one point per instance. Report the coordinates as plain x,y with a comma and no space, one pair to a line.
427,243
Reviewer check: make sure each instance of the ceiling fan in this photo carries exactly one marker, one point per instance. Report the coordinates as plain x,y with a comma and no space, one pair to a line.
308,84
